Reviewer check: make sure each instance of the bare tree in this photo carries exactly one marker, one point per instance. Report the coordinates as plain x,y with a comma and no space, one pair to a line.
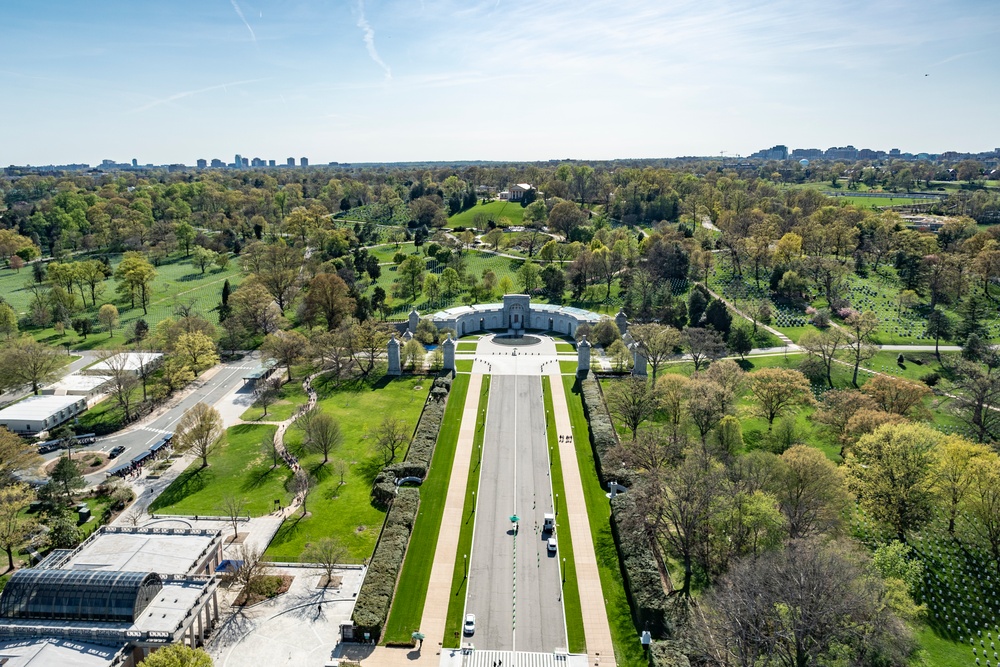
632,401
322,432
234,508
656,343
251,568
302,484
134,516
266,396
704,346
978,391
200,431
327,553
123,380
269,446
390,436
340,467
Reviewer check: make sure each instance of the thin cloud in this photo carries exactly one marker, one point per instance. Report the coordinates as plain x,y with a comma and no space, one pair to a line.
369,37
239,12
190,93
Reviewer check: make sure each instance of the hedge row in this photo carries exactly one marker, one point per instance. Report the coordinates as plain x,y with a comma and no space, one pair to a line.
650,607
375,597
602,434
425,437
667,654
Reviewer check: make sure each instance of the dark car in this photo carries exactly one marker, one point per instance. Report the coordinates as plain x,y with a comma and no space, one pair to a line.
47,447
116,451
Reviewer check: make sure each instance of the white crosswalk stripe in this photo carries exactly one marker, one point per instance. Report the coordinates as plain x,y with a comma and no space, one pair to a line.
522,659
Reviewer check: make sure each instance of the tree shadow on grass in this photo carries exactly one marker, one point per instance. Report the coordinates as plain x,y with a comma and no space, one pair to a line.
260,475
189,482
288,530
320,471
370,468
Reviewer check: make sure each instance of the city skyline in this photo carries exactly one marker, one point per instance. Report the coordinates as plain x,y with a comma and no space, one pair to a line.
448,81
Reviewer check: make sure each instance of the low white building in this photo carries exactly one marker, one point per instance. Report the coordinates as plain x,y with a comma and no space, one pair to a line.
40,413
76,384
128,361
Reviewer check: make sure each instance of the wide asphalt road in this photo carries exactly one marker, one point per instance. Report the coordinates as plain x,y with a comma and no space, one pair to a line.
514,583
138,439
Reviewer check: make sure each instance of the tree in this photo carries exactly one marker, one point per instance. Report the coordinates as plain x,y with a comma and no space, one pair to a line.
197,350
26,361
706,405
302,484
123,381
939,325
889,471
656,343
92,273
778,390
185,235
810,603
896,395
632,401
266,396
328,552
66,476
954,467
704,345
810,491
329,296
982,503
824,346
200,431
862,327
108,317
365,342
83,326
321,432
390,436
672,393
135,279
15,455
718,318
411,276
741,340
978,392
178,655
565,218
837,406
203,257
233,507
529,274
278,270
285,348
432,287
15,526
269,447
8,321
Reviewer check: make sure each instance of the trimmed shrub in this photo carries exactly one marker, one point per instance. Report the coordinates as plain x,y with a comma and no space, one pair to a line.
375,597
667,653
602,434
425,436
931,379
642,577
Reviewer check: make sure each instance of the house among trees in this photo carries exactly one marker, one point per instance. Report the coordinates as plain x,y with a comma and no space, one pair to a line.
516,192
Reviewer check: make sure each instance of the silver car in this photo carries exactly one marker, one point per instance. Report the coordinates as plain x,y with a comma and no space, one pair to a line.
470,624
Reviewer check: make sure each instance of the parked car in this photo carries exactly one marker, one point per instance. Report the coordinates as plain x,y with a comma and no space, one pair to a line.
116,451
470,624
552,545
47,447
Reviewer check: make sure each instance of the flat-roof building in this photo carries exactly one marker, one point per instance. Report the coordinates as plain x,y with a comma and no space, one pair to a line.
40,413
121,594
128,361
76,384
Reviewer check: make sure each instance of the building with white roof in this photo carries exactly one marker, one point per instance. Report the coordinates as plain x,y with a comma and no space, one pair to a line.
128,361
40,413
515,315
76,384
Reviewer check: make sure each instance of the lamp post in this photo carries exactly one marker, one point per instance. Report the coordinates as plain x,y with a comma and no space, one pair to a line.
465,563
557,504
564,571
473,502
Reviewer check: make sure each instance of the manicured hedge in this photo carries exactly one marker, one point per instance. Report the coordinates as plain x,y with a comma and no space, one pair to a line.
650,607
375,597
602,434
668,654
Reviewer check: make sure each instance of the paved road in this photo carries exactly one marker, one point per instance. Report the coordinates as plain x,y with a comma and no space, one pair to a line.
514,584
226,378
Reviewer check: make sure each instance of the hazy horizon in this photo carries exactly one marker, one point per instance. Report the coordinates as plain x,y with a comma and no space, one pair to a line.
364,81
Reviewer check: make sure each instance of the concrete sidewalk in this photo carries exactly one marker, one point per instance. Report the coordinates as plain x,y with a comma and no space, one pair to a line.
596,629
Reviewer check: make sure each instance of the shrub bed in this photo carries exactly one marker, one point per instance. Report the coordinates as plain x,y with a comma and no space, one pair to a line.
668,654
602,434
375,597
643,586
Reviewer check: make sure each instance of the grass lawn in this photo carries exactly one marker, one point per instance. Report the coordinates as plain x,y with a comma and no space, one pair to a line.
942,652
411,591
456,606
98,506
463,365
571,590
345,511
567,366
494,210
565,347
628,652
290,397
240,466
467,347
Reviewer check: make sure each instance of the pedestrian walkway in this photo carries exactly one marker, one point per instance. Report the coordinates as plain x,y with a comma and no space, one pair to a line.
596,629
780,336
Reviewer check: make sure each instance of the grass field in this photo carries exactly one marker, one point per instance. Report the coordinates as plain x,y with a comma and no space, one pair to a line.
571,591
290,397
177,282
240,466
494,210
456,604
466,347
628,652
345,511
411,591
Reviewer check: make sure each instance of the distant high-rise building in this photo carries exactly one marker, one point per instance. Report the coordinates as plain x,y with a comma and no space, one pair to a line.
291,162
270,163
238,162
216,162
202,163
135,163
304,161
257,162
778,152
894,152
246,163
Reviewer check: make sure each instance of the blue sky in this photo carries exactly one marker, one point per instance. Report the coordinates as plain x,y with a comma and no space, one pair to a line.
387,80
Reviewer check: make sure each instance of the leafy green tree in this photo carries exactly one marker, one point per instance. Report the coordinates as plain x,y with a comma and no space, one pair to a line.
8,321
939,325
135,277
203,257
26,361
108,317
178,655
15,526
66,475
185,234
778,390
450,281
741,339
890,473
528,274
411,276
717,316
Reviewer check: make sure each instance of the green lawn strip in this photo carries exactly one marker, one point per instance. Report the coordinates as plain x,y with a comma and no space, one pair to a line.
456,606
571,591
466,347
240,466
345,512
290,397
463,365
565,347
494,209
567,366
942,652
411,591
628,652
